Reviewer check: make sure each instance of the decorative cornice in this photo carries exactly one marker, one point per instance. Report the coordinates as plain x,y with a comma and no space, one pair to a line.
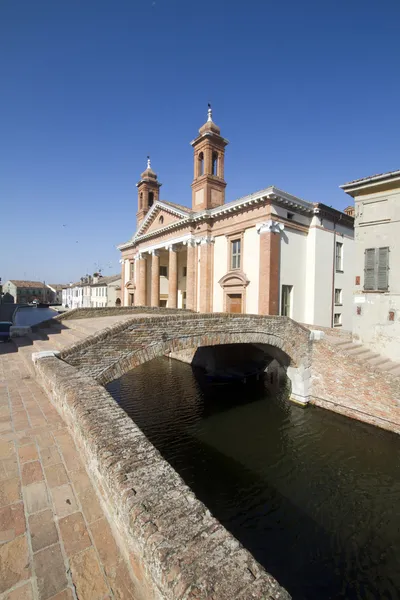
270,226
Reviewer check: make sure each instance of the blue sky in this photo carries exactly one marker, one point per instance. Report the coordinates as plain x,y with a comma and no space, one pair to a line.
306,92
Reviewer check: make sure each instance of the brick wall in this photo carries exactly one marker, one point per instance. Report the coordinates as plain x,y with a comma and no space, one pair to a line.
111,311
178,551
344,384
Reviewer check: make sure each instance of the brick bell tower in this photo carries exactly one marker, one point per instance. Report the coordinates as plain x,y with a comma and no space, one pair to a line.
148,192
208,187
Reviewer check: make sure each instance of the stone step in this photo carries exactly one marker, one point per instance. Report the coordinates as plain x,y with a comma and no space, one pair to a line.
358,351
374,362
62,338
396,370
368,356
348,346
339,342
387,365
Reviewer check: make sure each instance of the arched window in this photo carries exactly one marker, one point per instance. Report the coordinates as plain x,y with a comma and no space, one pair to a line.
214,168
201,164
151,199
141,201
161,220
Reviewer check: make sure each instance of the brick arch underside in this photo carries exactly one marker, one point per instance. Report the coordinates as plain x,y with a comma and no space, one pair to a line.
283,349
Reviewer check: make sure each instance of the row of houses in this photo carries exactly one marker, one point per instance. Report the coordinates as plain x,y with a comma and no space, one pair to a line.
26,292
90,291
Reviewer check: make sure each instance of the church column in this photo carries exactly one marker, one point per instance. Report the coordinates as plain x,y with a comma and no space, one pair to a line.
140,296
173,278
191,276
206,267
155,278
270,249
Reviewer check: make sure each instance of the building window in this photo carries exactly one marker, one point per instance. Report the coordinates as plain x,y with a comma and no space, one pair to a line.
184,271
151,199
338,296
337,319
339,256
235,253
201,164
214,166
290,216
286,302
184,300
161,220
376,269
141,201
163,271
131,270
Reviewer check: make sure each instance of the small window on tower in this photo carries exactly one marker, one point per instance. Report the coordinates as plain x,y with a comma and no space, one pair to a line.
151,199
201,164
214,163
141,201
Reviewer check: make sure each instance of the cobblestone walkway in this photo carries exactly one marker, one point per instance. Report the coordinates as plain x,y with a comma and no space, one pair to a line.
55,541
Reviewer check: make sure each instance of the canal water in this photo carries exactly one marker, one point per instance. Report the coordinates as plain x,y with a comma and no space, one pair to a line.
313,495
31,315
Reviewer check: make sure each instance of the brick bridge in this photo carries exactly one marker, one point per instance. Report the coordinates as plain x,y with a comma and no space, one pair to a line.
114,352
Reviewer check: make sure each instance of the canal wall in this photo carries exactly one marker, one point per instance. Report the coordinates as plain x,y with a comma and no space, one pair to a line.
177,549
346,385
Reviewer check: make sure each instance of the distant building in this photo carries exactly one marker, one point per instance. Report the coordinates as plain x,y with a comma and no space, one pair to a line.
93,291
25,292
104,290
55,296
269,252
376,309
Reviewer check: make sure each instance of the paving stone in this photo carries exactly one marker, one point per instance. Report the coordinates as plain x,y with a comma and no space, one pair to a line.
50,456
36,497
87,576
81,480
64,595
50,572
56,475
90,505
74,534
121,582
7,450
12,522
31,472
105,542
23,592
10,491
28,452
14,563
44,439
43,530
8,468
64,500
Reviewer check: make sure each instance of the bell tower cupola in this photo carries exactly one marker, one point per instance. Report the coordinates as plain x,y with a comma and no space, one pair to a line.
148,192
208,187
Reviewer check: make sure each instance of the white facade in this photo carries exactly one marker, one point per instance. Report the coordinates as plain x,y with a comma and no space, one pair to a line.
92,292
376,285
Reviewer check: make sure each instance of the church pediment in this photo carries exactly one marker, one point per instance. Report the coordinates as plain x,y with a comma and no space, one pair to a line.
234,279
161,215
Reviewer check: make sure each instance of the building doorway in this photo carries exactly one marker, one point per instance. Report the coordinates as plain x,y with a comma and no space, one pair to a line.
234,303
131,299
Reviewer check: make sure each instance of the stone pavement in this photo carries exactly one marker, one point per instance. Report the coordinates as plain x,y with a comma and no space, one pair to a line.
55,541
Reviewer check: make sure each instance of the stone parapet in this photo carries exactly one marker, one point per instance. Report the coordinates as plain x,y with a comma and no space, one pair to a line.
177,549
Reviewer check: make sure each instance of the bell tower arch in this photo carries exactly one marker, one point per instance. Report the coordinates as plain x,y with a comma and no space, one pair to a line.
208,187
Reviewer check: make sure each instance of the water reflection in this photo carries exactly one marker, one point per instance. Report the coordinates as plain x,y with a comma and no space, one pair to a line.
31,315
313,495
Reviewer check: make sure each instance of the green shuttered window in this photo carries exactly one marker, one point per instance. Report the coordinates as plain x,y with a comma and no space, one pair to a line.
376,269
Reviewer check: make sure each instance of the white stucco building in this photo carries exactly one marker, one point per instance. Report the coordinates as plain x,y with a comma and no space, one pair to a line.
268,253
376,284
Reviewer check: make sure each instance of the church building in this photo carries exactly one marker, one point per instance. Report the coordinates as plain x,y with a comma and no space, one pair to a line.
267,253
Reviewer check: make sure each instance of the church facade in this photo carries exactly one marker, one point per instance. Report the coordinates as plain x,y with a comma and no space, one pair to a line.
266,253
